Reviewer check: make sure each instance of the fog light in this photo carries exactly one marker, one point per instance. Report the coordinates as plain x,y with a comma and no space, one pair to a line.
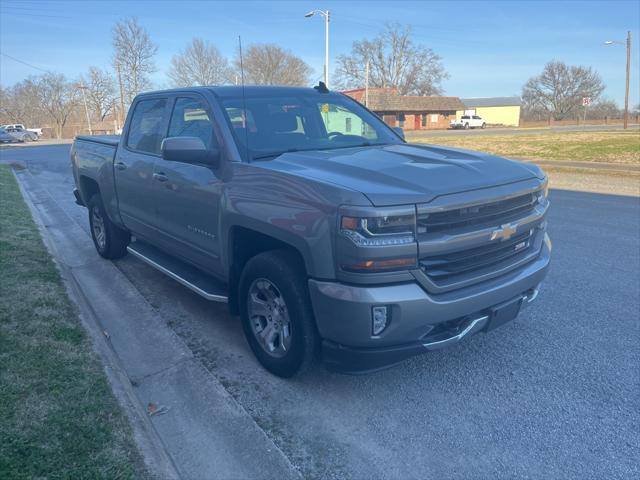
379,319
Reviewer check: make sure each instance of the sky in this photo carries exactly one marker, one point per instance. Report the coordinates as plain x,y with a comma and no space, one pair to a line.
488,48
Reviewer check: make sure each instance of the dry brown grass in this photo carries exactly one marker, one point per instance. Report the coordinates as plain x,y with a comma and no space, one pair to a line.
605,146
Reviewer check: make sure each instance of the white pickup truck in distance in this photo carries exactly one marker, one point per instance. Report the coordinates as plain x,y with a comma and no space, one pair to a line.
20,126
468,121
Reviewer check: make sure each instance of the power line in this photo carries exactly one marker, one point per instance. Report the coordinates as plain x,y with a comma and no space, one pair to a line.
24,14
23,62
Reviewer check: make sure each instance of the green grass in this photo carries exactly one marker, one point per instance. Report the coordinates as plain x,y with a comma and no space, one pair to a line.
603,146
58,416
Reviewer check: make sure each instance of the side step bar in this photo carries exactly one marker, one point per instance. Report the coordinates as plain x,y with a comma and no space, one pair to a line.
189,276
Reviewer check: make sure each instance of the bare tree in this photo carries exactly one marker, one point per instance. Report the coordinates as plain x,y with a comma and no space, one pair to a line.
604,107
271,65
559,89
133,56
201,63
21,104
394,61
100,91
58,98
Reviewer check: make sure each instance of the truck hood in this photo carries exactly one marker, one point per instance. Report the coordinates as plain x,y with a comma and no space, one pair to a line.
404,173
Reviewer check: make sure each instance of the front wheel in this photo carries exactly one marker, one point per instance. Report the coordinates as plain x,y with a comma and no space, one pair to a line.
466,126
276,313
109,239
484,125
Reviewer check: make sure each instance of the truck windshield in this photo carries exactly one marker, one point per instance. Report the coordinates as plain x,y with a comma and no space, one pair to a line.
273,125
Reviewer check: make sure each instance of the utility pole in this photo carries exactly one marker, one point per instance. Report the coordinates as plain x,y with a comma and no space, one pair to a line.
626,91
116,117
366,85
86,109
121,94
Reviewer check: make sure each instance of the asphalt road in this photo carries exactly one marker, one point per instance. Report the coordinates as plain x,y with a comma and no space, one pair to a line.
555,394
515,131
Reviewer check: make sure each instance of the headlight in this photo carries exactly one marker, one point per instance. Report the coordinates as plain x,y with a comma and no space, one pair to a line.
377,239
372,231
543,193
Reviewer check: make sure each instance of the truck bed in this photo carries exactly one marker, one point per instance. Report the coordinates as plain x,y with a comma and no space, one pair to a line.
111,140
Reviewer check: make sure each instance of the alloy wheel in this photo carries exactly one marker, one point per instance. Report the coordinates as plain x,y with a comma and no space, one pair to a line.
269,318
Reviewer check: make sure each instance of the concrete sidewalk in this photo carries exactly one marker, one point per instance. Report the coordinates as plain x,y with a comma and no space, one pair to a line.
199,430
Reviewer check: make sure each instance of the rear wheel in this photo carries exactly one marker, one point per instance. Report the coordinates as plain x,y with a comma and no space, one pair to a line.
484,125
110,240
276,313
466,126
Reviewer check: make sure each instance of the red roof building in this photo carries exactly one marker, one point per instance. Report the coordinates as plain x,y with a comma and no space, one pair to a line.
411,112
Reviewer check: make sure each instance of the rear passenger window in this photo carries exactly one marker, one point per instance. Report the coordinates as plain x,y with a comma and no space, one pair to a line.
190,119
145,133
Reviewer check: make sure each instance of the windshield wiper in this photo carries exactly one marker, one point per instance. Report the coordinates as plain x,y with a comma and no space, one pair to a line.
273,154
365,144
317,149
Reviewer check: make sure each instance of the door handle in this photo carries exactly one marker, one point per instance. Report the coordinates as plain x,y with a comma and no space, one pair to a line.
121,165
161,177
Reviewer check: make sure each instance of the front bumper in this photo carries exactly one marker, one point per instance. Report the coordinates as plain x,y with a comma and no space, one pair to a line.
343,315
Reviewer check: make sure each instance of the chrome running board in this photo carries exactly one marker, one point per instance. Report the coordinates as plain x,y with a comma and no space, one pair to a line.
189,276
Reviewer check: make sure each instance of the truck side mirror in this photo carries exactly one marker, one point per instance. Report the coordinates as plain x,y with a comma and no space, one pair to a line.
189,150
399,131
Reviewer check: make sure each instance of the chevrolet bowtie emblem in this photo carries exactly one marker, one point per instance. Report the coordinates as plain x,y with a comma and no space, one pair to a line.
504,232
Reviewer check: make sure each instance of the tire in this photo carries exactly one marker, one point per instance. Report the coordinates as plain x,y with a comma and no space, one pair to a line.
466,126
110,240
274,299
484,125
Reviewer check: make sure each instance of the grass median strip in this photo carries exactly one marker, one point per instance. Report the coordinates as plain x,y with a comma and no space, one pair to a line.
604,146
58,416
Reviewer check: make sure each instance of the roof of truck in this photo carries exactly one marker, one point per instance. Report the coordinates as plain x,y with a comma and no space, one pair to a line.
228,91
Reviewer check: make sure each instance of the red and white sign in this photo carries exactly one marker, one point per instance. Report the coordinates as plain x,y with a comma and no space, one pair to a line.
586,101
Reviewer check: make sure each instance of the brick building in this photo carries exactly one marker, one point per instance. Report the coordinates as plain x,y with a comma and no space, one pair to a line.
409,111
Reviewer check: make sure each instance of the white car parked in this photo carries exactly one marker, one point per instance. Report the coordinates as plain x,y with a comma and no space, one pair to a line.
20,126
468,121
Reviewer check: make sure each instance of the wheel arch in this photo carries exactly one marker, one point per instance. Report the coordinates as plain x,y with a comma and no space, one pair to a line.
88,188
245,242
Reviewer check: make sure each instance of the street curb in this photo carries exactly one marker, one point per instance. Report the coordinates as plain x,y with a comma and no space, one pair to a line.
157,461
235,442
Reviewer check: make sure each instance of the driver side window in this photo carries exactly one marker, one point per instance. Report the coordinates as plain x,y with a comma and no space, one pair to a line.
190,119
340,121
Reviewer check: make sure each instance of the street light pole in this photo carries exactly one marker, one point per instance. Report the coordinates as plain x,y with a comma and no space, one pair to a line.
626,90
327,16
86,109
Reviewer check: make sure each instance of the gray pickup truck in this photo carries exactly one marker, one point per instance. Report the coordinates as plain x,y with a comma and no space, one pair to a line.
316,222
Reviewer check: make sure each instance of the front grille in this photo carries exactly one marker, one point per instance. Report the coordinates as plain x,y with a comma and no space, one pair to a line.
485,215
449,267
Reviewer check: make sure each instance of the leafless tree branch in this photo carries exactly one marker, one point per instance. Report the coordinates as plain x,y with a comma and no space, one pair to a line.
394,61
133,55
559,89
271,65
199,64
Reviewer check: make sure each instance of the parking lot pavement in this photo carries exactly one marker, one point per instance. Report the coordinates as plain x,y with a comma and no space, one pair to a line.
555,394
